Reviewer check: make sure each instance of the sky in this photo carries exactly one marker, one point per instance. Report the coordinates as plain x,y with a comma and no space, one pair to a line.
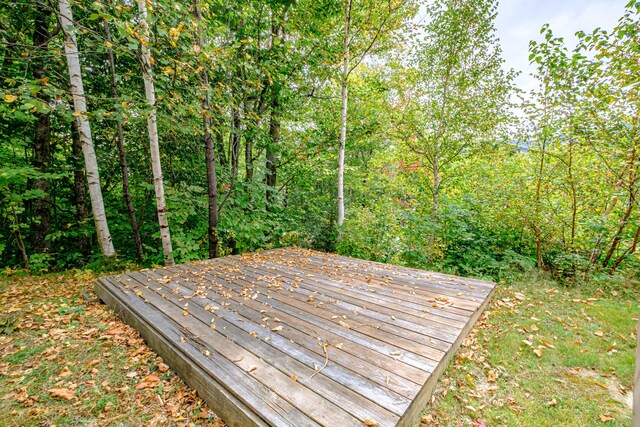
519,21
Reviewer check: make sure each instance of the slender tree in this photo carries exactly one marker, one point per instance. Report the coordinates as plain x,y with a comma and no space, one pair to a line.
120,143
42,132
84,129
152,126
210,154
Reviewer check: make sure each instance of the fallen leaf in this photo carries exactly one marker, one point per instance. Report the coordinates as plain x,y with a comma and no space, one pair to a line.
294,377
63,393
148,382
520,296
552,402
547,343
277,328
370,422
538,352
606,417
163,367
344,325
599,333
534,328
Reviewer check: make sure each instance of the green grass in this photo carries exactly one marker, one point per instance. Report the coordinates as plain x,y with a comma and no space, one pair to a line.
587,340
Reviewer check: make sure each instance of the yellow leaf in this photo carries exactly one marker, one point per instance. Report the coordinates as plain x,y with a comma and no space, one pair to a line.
10,98
370,422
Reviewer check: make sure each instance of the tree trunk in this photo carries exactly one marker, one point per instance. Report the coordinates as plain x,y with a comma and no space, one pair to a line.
42,133
536,230
16,232
235,143
210,157
630,251
152,126
271,160
343,115
275,130
627,214
595,253
219,145
623,224
123,158
84,130
79,189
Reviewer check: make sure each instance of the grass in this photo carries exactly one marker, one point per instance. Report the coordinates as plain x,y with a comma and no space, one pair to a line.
544,354
52,339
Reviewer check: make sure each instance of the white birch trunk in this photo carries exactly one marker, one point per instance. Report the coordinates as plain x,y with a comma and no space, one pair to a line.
84,130
153,136
343,118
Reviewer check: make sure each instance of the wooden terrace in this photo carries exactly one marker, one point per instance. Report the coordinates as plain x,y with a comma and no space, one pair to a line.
294,337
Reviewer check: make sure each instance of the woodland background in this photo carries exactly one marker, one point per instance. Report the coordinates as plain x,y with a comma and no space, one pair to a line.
348,126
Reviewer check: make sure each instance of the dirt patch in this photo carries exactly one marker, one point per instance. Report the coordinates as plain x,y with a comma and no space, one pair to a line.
611,384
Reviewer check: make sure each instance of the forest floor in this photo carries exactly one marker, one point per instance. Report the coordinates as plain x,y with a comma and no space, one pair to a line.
542,355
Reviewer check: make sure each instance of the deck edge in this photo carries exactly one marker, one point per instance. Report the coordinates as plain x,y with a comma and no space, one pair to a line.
412,414
223,403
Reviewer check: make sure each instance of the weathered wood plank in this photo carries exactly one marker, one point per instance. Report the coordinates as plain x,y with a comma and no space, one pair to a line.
432,313
428,288
302,311
250,310
421,400
441,334
307,401
334,383
385,343
399,275
240,408
381,350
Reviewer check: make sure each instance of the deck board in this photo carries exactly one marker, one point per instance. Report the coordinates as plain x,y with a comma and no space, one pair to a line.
293,337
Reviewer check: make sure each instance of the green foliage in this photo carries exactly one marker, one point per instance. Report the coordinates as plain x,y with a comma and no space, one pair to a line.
439,173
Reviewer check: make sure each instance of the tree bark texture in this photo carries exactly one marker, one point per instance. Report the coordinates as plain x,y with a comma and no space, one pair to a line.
152,126
84,130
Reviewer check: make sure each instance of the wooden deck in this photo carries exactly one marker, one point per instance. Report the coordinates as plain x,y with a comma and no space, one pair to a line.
292,337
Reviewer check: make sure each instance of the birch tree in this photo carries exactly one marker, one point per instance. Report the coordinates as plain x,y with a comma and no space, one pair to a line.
366,24
152,126
84,129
